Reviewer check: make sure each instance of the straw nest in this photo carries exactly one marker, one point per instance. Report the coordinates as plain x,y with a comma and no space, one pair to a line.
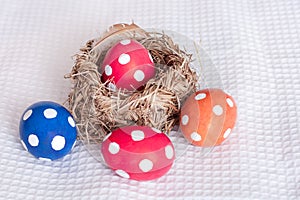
98,109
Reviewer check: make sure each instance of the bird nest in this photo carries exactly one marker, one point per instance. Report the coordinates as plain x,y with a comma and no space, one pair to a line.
99,109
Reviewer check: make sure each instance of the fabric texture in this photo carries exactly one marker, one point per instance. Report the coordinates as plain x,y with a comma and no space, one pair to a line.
255,48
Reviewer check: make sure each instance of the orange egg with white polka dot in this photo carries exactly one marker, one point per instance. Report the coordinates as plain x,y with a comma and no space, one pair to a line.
208,117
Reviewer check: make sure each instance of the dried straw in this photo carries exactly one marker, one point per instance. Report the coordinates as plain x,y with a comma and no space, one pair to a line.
98,109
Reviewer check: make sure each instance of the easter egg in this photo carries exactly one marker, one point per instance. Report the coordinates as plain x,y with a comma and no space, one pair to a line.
138,152
47,130
208,117
127,65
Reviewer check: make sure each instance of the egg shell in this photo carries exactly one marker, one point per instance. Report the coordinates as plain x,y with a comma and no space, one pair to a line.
138,152
127,65
207,117
47,130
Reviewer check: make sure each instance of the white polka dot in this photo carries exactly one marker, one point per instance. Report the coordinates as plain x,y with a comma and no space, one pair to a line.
218,110
229,102
108,70
24,145
125,42
124,59
146,165
196,136
139,75
200,96
113,148
33,140
156,130
185,120
58,143
50,113
112,86
27,115
169,152
71,121
122,173
150,57
227,132
45,159
107,136
137,135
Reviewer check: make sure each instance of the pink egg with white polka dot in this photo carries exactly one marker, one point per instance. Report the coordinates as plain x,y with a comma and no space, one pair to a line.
138,152
127,65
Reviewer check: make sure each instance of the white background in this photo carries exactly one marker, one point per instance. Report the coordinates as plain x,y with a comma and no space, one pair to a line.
255,46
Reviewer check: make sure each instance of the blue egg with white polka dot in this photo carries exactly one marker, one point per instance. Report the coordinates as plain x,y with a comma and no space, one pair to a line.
47,130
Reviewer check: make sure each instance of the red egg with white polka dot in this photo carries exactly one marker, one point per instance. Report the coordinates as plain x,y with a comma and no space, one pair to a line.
138,152
207,117
127,65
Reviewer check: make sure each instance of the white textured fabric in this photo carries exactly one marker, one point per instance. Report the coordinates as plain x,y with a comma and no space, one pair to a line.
255,46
